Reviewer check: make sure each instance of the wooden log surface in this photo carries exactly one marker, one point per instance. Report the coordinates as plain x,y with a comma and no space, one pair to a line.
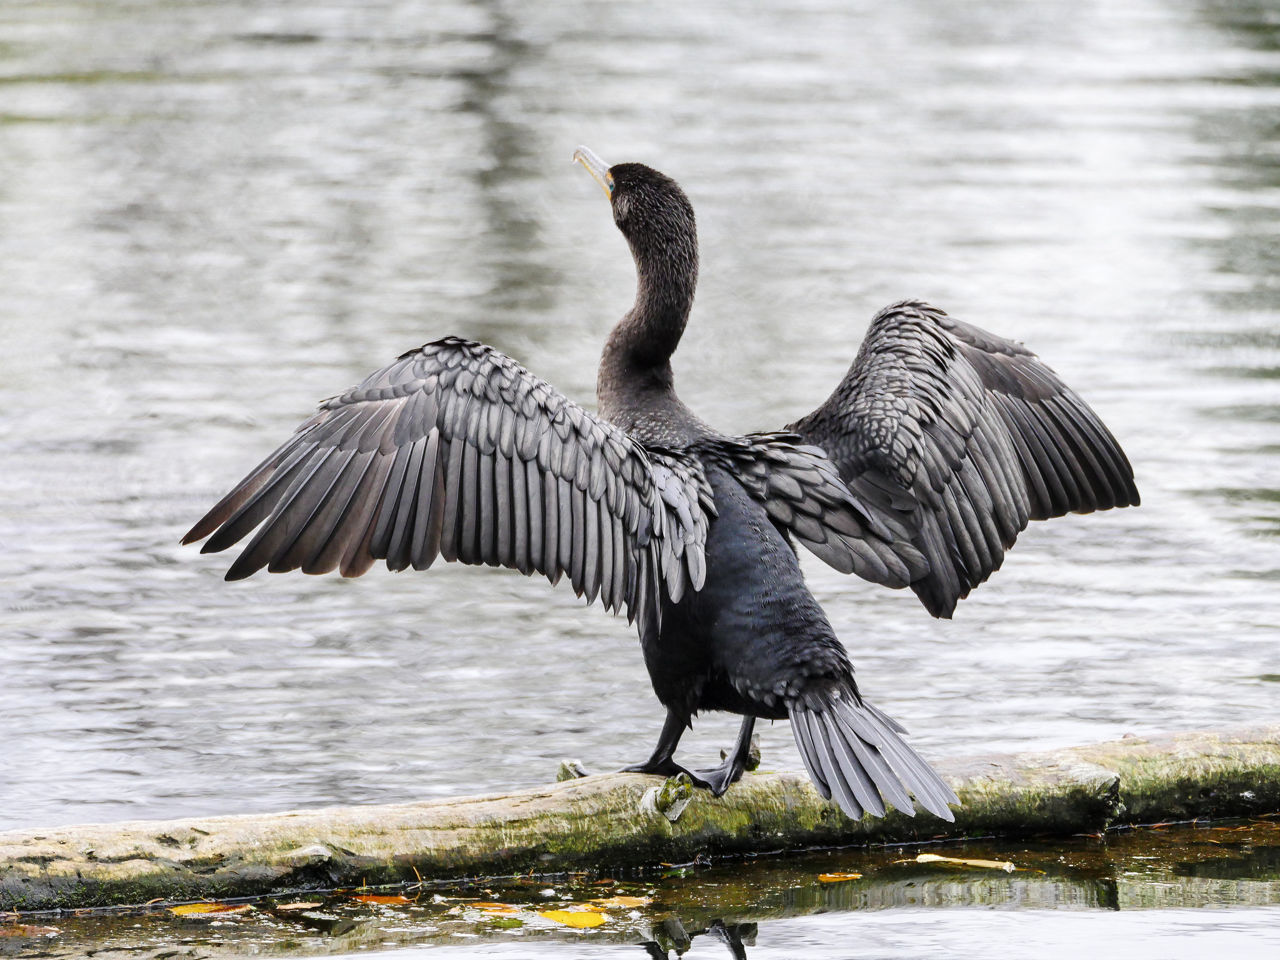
619,820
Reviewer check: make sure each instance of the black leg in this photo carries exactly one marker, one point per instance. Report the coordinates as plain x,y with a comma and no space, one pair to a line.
719,778
731,936
661,761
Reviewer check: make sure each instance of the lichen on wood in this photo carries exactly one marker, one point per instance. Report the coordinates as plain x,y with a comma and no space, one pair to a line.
601,822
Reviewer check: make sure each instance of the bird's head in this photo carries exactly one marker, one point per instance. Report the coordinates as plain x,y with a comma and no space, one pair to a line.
649,208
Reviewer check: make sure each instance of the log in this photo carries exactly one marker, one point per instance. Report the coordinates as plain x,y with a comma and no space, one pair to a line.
620,820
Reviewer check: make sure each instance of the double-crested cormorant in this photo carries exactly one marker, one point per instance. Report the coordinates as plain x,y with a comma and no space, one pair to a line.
936,449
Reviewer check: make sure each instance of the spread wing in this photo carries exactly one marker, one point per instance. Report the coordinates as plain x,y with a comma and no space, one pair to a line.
963,437
455,450
802,492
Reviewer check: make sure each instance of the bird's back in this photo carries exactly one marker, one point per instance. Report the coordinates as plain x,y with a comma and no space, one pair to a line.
753,637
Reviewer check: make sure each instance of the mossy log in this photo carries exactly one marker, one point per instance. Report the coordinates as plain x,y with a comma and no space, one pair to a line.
626,820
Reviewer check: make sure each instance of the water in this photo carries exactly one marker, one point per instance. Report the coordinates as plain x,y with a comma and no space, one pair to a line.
1145,894
213,215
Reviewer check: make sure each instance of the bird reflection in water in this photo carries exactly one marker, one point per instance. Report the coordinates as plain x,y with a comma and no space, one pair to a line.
672,935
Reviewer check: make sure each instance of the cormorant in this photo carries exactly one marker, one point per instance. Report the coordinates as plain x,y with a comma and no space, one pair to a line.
919,471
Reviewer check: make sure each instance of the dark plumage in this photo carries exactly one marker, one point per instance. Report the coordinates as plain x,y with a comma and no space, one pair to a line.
938,447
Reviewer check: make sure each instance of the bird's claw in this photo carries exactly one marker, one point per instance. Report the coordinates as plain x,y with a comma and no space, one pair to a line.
669,768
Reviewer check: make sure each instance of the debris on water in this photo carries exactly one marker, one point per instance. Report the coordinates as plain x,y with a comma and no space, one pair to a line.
1221,864
1004,865
488,907
580,918
209,909
26,931
620,901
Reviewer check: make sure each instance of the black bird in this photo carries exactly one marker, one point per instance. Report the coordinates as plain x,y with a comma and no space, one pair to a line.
936,449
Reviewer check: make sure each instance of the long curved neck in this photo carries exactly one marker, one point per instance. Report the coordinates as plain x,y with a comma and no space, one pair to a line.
651,330
635,369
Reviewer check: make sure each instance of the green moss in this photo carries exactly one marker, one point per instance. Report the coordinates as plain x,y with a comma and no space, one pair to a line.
598,823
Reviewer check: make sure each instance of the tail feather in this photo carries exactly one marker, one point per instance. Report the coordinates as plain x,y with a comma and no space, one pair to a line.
849,792
873,725
884,718
877,766
855,755
855,785
808,752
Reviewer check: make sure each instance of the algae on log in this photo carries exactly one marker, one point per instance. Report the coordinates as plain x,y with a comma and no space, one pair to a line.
602,822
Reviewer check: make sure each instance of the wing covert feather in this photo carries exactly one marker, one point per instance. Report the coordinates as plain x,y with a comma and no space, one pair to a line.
455,450
962,438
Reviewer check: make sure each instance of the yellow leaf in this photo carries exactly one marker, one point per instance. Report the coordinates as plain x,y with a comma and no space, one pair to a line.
1004,865
621,901
837,877
580,919
208,909
380,898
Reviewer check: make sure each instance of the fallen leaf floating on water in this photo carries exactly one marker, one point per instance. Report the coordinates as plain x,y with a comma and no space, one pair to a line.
22,930
1004,865
381,898
580,919
837,877
485,907
624,902
209,909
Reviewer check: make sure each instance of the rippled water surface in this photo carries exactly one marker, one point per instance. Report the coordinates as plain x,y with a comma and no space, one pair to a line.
213,215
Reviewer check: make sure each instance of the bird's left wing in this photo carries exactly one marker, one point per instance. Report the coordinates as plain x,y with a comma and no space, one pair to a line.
455,450
964,437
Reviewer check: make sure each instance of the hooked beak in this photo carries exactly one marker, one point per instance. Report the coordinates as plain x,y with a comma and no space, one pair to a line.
596,167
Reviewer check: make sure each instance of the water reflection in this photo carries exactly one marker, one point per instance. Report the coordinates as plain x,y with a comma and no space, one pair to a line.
211,215
508,180
750,908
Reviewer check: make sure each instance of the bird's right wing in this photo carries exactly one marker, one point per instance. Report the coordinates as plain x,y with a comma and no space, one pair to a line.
458,451
964,437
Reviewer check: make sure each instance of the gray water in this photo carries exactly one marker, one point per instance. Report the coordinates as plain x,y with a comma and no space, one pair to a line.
212,215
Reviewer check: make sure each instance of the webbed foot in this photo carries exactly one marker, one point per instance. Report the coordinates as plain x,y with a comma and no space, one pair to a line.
718,779
745,754
669,768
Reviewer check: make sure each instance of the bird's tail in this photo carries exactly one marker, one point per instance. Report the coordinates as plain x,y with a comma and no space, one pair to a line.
855,754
